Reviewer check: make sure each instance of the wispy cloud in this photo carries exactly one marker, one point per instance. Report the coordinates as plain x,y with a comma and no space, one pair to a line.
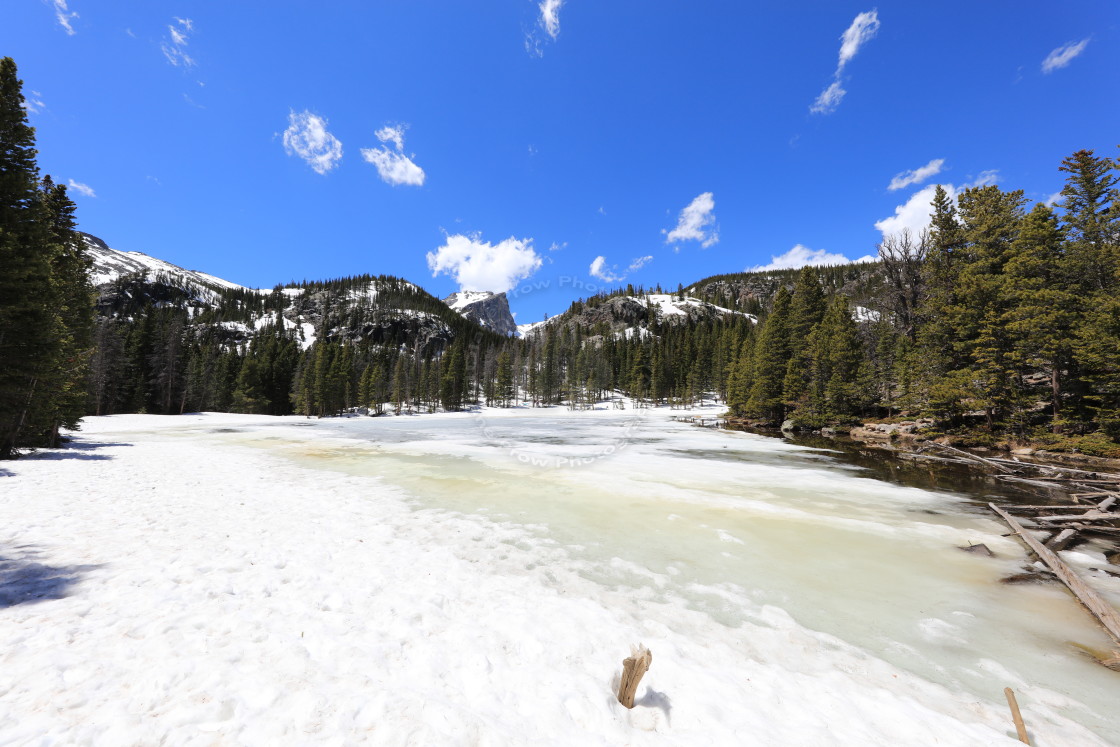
863,29
916,176
481,266
547,27
1063,55
83,189
550,17
696,223
829,99
600,270
308,138
33,102
800,256
392,164
63,15
174,47
639,263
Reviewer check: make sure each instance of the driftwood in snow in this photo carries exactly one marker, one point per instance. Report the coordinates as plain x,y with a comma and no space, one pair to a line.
634,667
1016,716
1105,613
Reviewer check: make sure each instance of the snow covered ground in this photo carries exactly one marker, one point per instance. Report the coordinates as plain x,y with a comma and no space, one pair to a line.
478,578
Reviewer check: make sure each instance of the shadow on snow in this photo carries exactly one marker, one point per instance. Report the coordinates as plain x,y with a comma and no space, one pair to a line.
23,580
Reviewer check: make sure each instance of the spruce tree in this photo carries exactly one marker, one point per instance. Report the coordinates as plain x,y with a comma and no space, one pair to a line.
45,324
1090,198
770,358
806,310
1042,311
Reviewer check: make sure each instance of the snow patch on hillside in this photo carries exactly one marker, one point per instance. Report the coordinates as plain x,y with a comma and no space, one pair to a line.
460,300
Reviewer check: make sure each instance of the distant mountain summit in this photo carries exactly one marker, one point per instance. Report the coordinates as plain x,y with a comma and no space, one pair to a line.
491,310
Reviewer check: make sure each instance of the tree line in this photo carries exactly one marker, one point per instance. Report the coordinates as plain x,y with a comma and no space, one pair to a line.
998,316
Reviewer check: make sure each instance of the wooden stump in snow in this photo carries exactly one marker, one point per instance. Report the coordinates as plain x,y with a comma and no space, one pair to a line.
633,667
1016,716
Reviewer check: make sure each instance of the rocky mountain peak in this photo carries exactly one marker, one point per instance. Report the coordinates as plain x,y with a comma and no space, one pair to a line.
491,310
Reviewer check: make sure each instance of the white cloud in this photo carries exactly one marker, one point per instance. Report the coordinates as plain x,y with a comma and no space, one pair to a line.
63,15
916,176
548,27
991,176
550,17
83,189
394,135
863,29
599,269
1063,55
478,265
696,223
639,263
829,99
33,102
392,164
800,256
307,137
1054,200
913,215
175,48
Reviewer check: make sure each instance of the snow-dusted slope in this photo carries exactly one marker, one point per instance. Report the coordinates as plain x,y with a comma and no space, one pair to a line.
110,264
524,330
631,315
460,300
670,305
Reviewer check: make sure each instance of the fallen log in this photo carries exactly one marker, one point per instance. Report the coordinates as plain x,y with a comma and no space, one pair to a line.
1062,539
970,456
1030,481
1105,613
1089,516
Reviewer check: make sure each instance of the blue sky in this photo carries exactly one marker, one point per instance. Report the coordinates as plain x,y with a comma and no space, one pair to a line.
526,144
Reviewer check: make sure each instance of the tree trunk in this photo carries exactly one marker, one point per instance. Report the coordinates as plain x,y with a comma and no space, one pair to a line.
1056,394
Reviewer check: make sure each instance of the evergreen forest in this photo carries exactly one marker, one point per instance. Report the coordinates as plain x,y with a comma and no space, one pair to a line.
1000,321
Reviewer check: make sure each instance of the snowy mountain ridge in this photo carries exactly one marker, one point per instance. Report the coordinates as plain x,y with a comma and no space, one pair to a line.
110,265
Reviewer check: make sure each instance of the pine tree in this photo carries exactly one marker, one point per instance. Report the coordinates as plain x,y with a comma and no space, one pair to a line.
806,310
1090,199
770,358
1042,311
991,220
45,325
840,377
504,388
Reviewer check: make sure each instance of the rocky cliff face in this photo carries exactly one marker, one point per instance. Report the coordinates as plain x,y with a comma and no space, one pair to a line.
491,310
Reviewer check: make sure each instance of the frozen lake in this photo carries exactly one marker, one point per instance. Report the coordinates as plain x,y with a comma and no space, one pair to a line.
788,596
